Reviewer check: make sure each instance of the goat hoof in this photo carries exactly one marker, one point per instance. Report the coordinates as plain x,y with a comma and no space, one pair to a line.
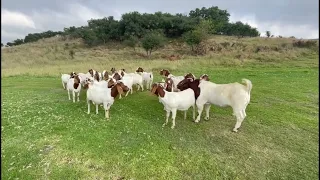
206,118
172,127
196,121
163,125
235,130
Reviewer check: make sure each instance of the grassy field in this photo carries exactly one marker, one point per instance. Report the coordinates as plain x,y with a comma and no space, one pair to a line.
46,136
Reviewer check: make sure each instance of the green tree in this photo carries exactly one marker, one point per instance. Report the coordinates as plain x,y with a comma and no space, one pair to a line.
152,41
90,37
268,34
201,33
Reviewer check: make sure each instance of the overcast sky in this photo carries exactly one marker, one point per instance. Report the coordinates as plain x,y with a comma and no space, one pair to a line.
297,18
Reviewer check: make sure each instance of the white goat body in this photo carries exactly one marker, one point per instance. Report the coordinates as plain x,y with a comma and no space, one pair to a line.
147,78
83,77
127,81
137,79
75,91
65,78
99,94
174,101
235,95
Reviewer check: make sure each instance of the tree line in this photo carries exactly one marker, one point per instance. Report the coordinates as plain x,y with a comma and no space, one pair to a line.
135,26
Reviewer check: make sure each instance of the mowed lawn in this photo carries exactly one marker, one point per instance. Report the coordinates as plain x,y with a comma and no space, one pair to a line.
44,135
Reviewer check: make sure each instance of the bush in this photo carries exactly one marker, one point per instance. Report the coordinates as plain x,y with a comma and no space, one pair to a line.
71,53
132,41
201,33
152,41
304,44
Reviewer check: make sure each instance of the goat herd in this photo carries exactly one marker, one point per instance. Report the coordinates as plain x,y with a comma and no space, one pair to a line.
174,92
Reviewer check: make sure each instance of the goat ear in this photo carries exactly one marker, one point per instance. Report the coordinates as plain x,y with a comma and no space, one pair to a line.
119,89
153,90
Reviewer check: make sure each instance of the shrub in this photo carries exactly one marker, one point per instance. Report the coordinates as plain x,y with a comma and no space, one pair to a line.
71,53
268,33
304,44
132,41
152,41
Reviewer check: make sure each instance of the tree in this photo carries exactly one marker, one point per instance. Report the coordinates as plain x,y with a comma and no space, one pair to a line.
18,42
195,37
132,42
89,37
152,41
268,34
10,44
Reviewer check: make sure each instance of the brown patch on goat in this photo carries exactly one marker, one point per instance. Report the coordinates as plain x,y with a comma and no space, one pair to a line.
96,76
164,72
161,72
157,89
190,83
76,82
139,69
111,83
72,74
106,76
91,72
119,88
204,77
117,76
113,70
189,75
168,84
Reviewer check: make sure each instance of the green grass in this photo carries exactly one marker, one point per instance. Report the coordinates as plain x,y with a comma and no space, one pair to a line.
44,135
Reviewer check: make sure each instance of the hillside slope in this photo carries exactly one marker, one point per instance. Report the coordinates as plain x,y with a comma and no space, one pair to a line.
52,56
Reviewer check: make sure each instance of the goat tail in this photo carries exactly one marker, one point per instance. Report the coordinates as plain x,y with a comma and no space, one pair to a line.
248,84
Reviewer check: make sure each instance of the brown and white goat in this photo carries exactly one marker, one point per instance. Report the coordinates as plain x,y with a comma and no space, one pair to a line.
147,77
103,95
74,86
173,101
235,95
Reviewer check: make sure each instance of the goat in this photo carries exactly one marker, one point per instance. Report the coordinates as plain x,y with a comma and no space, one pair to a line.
204,77
103,95
74,86
65,78
176,79
192,83
83,78
137,78
113,70
147,77
128,82
174,101
91,72
235,95
96,76
117,76
189,75
105,75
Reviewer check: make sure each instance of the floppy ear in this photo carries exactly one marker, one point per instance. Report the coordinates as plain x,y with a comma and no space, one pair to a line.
154,89
119,89
165,85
